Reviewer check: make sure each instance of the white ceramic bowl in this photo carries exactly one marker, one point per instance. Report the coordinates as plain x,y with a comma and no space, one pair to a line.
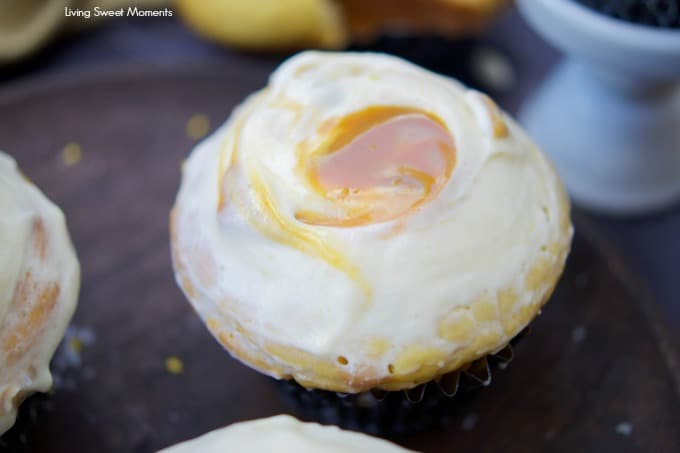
609,115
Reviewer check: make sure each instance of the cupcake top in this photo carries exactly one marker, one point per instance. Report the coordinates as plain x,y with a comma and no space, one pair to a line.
284,433
362,222
39,281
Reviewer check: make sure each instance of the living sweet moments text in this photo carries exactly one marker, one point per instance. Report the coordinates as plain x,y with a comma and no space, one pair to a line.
131,11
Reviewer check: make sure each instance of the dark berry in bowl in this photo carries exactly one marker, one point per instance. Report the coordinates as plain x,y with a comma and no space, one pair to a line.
654,13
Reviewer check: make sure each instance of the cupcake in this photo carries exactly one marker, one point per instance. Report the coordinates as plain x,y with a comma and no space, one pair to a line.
364,224
330,24
39,282
283,433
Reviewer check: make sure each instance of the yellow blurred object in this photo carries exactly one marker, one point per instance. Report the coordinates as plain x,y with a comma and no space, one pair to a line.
266,24
367,18
174,365
71,154
28,25
329,24
198,126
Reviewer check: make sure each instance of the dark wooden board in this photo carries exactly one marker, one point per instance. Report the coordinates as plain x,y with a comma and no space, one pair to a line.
597,358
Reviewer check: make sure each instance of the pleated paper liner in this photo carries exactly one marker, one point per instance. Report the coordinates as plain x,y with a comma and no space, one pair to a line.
394,413
18,438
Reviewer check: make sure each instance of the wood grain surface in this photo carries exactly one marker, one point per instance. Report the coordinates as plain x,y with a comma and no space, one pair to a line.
597,373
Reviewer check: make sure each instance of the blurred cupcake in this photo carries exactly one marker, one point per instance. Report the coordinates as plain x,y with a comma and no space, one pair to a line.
329,24
284,433
363,224
39,282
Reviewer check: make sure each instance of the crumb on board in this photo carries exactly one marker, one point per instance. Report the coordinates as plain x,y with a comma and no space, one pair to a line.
174,365
76,339
71,154
578,334
198,126
493,69
67,366
624,429
76,344
469,422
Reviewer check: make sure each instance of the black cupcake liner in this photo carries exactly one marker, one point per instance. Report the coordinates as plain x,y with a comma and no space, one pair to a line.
395,413
18,438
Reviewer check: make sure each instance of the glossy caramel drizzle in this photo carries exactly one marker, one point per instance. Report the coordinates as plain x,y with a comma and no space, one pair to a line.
409,172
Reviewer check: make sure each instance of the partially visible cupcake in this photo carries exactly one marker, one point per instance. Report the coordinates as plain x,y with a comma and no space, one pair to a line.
39,282
364,224
330,24
283,433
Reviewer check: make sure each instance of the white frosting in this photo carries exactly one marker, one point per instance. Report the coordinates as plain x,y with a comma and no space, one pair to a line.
21,206
284,433
497,214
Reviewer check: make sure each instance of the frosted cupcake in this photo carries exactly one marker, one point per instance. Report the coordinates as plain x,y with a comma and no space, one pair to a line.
284,433
362,224
39,282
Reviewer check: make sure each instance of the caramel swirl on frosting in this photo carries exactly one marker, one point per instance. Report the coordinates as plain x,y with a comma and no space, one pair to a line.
373,165
377,164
